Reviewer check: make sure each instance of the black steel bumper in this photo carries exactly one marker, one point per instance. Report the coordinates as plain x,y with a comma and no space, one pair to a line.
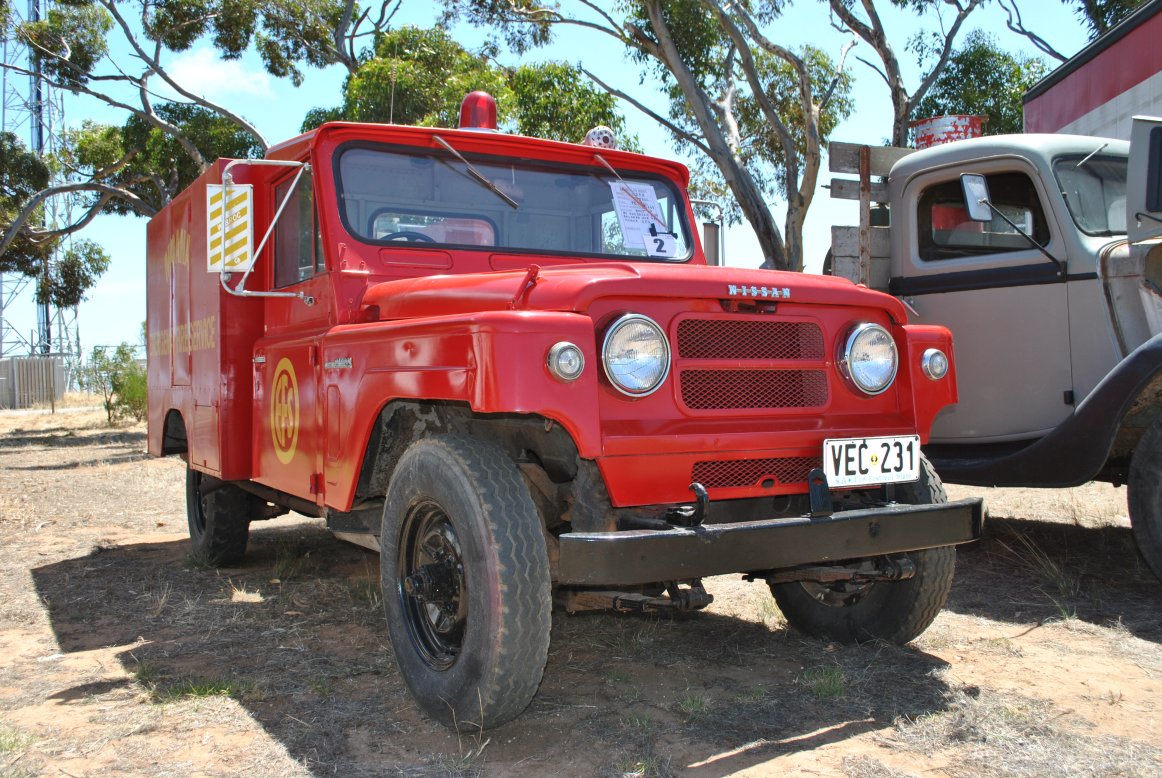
645,556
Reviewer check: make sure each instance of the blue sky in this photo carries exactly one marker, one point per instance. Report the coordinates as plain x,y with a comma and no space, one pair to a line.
116,306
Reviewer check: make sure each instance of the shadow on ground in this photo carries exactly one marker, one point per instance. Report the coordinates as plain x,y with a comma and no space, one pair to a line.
67,437
1023,571
296,636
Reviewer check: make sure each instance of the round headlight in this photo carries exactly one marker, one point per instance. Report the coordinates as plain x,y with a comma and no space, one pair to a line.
636,355
869,358
565,361
934,363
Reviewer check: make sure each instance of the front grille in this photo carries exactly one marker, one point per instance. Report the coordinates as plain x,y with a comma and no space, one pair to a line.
749,339
704,390
750,364
752,472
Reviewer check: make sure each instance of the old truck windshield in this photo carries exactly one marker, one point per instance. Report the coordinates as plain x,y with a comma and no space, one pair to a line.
1095,192
429,196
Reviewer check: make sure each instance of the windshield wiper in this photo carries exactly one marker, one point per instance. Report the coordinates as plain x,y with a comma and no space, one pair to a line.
1090,154
483,179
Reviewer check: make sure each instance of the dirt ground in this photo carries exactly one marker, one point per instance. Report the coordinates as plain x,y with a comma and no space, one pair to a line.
120,657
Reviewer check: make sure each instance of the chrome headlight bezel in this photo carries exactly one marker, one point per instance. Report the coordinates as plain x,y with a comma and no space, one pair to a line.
935,364
557,361
853,375
611,374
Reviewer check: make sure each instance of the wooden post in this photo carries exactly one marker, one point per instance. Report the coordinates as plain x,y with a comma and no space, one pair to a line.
865,215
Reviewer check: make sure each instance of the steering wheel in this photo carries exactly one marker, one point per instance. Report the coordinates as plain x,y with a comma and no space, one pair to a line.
409,236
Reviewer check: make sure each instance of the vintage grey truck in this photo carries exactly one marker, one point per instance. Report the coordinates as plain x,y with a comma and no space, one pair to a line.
1043,255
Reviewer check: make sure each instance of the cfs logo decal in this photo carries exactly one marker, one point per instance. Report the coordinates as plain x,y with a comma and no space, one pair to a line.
284,411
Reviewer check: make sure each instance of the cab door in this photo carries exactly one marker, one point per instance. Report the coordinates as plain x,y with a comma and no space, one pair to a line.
288,416
1004,301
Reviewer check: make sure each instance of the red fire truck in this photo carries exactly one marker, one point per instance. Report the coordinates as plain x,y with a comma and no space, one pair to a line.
504,363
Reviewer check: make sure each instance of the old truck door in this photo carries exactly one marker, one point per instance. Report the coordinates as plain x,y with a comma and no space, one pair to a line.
1004,301
288,417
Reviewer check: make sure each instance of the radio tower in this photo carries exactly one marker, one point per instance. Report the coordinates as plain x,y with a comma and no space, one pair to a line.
34,110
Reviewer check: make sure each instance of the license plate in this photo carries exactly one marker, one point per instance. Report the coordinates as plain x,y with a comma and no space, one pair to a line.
870,461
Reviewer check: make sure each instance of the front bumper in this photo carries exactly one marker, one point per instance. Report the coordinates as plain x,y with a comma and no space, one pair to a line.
647,556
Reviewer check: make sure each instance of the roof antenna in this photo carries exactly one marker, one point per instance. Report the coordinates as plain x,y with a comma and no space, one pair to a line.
394,63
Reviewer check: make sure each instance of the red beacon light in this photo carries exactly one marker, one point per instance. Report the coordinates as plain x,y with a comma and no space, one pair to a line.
478,112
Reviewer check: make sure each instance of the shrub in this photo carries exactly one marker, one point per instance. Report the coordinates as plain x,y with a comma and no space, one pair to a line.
120,381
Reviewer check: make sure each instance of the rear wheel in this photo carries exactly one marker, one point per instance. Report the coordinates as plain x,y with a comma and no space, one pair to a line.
885,610
219,515
466,586
1144,495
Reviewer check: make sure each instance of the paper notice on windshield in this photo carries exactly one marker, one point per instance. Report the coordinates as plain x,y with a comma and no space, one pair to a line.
640,218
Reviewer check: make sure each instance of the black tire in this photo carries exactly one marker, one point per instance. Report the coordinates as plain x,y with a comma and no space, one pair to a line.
1144,496
466,586
897,610
219,515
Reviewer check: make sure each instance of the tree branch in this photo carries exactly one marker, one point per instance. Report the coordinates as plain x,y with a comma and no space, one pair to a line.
669,125
738,178
823,101
945,52
1017,25
138,205
801,171
155,66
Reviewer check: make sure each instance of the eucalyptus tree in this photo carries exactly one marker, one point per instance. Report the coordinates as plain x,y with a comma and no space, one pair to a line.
120,54
419,76
983,79
757,111
933,46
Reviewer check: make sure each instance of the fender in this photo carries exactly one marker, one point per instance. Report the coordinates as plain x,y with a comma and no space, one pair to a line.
493,362
1073,453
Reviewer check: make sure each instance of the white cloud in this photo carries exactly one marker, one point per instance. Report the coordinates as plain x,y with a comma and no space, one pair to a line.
204,73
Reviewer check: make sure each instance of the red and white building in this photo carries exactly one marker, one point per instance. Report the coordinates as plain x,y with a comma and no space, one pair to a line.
1103,86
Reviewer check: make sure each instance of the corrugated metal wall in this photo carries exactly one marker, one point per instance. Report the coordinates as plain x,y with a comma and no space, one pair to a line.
29,381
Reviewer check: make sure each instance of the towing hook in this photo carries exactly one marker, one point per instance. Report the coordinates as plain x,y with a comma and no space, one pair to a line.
819,493
703,498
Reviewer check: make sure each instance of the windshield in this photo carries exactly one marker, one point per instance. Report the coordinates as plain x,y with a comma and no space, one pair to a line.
1095,192
429,196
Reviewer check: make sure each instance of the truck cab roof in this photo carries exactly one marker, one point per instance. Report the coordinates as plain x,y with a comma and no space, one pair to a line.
1040,148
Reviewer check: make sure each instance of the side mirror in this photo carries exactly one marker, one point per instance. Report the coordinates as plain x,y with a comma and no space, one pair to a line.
976,197
1144,180
711,241
712,233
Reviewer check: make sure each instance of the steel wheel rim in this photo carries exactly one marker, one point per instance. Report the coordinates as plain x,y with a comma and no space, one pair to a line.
431,586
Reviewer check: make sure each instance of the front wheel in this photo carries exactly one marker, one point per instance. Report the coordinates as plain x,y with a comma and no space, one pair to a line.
886,610
466,586
1144,495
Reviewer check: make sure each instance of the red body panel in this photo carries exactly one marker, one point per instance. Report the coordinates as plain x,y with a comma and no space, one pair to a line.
288,394
1102,74
199,341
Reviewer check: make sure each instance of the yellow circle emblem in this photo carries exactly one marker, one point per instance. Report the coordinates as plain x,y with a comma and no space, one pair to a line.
284,411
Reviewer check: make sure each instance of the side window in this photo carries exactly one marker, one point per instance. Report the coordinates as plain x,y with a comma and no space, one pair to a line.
946,232
297,244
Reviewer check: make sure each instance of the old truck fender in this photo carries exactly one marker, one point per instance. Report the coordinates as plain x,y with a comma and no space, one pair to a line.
1080,448
492,362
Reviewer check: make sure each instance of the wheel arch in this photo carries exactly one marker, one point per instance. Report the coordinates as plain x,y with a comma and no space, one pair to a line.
528,439
1143,411
174,439
1096,442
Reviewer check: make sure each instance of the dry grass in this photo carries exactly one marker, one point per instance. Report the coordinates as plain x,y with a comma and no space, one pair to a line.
1004,734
